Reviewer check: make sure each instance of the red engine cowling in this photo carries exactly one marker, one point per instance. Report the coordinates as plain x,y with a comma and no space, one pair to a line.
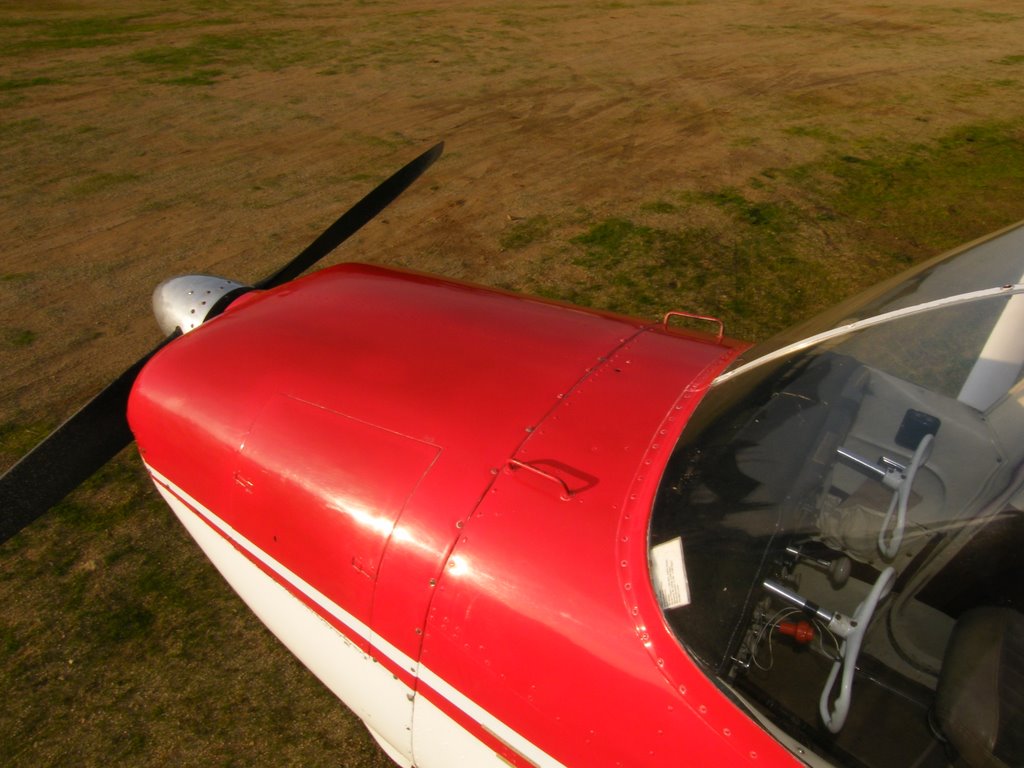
457,481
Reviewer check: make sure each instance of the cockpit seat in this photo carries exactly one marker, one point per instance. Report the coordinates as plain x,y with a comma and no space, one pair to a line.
786,450
980,698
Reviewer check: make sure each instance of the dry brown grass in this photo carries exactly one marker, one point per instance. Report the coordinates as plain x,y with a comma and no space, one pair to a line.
751,158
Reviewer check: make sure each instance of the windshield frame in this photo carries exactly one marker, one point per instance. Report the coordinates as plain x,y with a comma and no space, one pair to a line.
744,367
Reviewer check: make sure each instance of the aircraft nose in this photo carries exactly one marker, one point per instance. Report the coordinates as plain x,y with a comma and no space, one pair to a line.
185,302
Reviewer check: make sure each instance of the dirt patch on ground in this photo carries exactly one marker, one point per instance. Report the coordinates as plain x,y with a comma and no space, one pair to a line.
138,143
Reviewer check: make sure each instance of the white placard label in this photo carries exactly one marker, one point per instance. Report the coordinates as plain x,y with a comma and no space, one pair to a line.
669,574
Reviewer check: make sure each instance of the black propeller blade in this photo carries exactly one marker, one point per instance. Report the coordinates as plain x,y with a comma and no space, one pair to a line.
70,454
99,430
354,218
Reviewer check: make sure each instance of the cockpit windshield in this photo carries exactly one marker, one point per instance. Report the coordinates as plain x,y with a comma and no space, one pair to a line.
850,513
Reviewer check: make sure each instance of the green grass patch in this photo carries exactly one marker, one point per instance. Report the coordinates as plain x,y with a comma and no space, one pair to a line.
17,277
114,489
20,83
768,217
20,337
659,206
629,267
812,132
122,618
198,77
9,642
920,199
744,273
762,257
12,130
209,57
17,438
40,35
525,232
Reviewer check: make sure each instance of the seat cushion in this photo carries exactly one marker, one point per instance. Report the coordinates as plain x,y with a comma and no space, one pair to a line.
980,699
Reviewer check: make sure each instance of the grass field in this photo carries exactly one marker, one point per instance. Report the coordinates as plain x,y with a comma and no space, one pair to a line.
755,160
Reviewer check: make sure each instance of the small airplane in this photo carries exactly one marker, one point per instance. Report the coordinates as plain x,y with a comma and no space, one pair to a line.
510,531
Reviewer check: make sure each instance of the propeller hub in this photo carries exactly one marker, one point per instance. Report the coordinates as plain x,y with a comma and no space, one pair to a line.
185,302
